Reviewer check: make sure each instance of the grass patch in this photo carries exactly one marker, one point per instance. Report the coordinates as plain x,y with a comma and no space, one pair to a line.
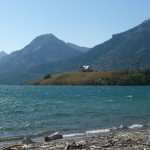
97,78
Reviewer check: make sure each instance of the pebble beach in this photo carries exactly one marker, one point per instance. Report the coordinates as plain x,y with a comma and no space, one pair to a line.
138,139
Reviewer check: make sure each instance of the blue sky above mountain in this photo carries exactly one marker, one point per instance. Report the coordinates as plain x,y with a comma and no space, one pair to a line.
82,22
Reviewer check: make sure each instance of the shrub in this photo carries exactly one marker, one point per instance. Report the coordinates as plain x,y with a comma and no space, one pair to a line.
47,76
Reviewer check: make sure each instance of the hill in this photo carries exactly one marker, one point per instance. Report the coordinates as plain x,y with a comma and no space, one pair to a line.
96,78
43,49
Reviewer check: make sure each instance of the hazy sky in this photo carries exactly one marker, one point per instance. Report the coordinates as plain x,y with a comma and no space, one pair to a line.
82,22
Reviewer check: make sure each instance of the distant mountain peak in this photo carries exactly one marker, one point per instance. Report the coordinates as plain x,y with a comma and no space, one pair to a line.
43,40
48,35
147,20
2,53
145,24
45,37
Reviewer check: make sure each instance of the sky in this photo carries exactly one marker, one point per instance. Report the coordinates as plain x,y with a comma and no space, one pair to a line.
82,22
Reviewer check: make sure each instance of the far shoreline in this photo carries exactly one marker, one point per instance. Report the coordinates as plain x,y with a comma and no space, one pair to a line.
116,78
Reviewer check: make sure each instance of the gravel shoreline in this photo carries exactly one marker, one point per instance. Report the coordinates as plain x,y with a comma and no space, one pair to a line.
126,140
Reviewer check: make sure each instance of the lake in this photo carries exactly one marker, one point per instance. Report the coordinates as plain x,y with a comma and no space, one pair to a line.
36,111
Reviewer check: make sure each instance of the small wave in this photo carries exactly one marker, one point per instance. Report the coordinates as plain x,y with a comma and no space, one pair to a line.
110,100
75,134
78,95
123,127
146,125
114,128
135,126
59,102
130,96
88,132
1,128
98,131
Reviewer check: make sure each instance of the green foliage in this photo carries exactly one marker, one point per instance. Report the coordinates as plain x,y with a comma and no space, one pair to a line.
47,76
130,78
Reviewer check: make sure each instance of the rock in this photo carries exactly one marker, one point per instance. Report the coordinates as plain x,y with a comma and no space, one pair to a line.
107,145
81,143
27,141
12,147
54,136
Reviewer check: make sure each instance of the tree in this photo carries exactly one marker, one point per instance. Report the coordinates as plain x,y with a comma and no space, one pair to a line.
47,76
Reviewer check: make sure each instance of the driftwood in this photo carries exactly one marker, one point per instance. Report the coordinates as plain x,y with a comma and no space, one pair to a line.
12,147
66,148
54,136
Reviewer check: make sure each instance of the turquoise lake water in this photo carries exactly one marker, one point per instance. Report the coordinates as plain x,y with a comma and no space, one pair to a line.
36,111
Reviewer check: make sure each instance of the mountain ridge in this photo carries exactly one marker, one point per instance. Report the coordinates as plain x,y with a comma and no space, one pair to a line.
129,50
80,48
122,52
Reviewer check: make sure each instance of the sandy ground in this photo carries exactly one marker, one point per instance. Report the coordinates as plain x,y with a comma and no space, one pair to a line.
128,140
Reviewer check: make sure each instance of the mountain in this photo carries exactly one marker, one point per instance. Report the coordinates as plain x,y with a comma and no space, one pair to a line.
2,53
43,49
123,51
81,49
129,50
